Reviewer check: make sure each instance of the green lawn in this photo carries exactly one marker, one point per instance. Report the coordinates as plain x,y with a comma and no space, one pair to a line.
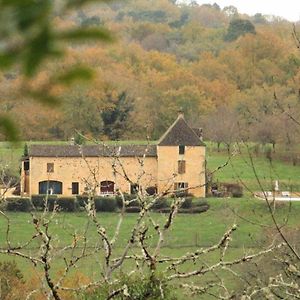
188,233
240,169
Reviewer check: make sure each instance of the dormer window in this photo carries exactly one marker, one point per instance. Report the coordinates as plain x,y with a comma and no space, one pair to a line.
181,149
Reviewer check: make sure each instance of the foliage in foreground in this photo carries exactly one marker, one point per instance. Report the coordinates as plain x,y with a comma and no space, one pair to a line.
12,283
136,287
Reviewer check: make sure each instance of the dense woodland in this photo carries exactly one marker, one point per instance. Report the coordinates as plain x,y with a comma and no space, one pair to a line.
234,75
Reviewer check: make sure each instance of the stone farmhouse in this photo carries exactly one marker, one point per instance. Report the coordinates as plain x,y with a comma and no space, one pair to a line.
176,162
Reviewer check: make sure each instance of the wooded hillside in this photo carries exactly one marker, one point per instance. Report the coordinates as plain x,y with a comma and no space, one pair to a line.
234,75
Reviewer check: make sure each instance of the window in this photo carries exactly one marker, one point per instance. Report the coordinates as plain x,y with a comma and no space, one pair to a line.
181,166
107,187
134,188
181,189
75,188
50,187
181,149
50,167
181,185
26,165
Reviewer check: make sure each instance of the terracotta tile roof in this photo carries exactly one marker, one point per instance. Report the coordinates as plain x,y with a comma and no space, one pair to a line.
180,133
92,151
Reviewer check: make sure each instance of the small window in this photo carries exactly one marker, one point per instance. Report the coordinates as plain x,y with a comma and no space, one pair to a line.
181,189
75,188
26,165
181,149
134,188
181,166
180,186
50,167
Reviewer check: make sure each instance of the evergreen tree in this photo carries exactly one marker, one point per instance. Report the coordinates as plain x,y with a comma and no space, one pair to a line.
237,28
116,119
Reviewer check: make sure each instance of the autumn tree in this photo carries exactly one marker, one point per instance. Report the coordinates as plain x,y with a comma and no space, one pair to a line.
221,127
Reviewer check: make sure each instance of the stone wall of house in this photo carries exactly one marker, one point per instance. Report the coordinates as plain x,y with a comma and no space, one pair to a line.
194,175
162,171
91,171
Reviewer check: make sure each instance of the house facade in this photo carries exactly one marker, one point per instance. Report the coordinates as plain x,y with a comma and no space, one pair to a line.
176,162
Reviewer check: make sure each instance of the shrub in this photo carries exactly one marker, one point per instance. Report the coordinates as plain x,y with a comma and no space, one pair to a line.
233,189
184,210
164,210
17,190
160,203
198,202
66,204
269,154
199,209
187,203
146,286
133,209
18,204
238,193
119,201
127,197
12,282
81,200
180,194
151,190
51,201
39,201
107,204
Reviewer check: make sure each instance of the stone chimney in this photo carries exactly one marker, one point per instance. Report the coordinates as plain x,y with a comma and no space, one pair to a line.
180,113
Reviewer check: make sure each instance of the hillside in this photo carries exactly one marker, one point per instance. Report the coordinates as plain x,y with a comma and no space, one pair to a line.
214,64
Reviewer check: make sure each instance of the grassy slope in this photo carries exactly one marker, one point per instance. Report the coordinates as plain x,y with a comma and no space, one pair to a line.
241,169
189,231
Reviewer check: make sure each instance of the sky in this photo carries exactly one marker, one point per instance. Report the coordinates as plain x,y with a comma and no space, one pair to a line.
288,9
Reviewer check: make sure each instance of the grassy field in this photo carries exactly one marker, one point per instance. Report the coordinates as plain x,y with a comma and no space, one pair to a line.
189,232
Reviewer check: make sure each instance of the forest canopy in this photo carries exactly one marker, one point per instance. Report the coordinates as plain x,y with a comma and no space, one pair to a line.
165,57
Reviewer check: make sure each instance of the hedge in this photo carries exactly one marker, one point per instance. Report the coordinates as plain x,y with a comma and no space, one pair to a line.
18,204
81,201
151,190
39,201
107,204
160,203
127,197
66,204
187,203
199,202
193,210
102,204
133,209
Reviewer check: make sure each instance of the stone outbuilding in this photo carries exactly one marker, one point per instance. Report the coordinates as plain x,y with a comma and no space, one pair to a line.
176,162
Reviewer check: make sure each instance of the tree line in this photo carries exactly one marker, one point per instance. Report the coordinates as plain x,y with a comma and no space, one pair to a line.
232,74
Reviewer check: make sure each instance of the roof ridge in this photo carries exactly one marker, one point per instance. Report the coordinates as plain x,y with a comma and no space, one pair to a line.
180,116
179,133
91,150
